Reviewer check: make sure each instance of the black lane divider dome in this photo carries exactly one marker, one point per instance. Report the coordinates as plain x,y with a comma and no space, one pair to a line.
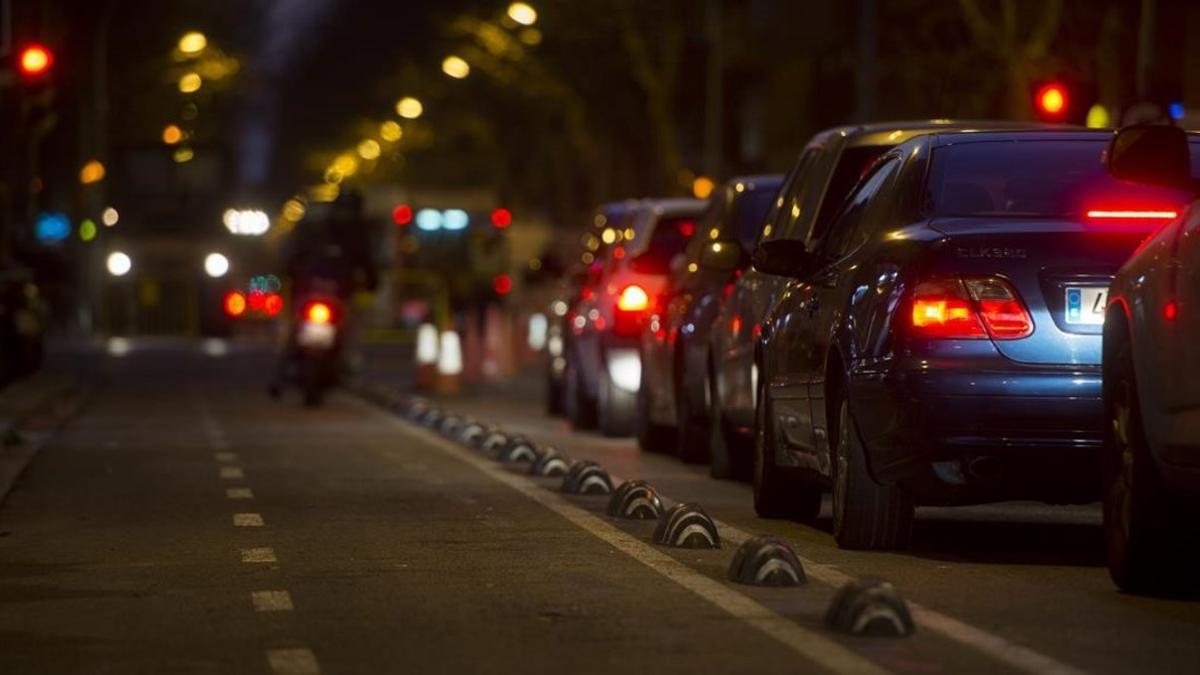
432,417
766,561
635,500
450,424
518,449
493,441
687,526
549,463
869,607
587,478
471,432
417,410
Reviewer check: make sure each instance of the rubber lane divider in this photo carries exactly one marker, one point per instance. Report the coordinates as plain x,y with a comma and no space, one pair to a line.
805,643
998,648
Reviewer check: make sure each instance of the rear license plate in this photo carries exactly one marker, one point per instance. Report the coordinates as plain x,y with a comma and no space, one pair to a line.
1086,304
316,334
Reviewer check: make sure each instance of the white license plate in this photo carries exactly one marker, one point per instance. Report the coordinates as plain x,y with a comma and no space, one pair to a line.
316,334
1086,305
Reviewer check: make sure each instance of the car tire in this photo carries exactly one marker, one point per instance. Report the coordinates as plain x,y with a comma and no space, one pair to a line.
651,437
866,514
1139,533
581,411
616,409
691,436
779,492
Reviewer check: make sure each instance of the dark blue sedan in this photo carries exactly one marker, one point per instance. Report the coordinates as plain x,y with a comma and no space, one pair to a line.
943,344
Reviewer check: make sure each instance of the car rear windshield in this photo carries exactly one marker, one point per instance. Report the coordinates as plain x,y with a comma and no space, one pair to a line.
670,237
1036,179
752,209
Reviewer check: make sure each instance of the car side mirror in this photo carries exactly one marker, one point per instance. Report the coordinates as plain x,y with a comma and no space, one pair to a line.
784,257
1151,154
722,256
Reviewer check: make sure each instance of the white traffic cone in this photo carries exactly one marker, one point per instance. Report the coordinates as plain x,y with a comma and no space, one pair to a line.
425,377
449,364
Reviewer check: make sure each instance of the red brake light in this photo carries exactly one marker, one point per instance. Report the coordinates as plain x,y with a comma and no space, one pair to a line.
502,284
687,227
272,304
35,60
402,214
633,298
318,312
234,304
972,308
1132,214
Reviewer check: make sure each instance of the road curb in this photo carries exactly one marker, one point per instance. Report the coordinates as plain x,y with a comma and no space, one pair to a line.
33,421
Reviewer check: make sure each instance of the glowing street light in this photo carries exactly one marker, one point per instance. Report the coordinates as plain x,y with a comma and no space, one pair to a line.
35,61
246,222
110,217
456,67
369,149
410,108
216,265
193,42
522,13
118,264
390,131
190,83
92,172
172,134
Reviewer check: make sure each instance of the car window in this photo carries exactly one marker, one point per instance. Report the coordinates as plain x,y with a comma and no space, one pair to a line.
852,164
750,212
850,228
670,236
785,216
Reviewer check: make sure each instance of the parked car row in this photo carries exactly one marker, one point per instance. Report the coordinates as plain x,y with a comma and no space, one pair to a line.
917,313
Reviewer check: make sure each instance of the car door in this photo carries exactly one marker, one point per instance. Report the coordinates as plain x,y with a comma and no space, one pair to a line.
809,311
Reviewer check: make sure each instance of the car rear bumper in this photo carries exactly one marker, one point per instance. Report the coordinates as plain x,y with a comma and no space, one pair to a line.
949,427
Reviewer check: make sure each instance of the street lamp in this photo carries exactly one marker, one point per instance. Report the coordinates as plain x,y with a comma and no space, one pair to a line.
172,134
369,149
390,131
118,264
522,13
216,265
109,217
190,83
193,42
409,108
456,67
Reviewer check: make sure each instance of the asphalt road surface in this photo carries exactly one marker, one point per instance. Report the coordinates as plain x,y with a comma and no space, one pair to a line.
184,522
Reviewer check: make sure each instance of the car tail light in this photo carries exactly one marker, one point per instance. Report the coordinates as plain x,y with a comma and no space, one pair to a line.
972,308
942,309
633,298
1132,214
318,312
1003,313
272,304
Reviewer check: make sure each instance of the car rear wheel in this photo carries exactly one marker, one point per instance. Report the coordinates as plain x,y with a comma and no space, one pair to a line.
1138,532
581,411
866,514
651,437
779,492
691,439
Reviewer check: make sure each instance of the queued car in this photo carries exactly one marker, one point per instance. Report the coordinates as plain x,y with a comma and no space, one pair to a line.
603,365
570,292
942,344
673,396
1151,461
824,173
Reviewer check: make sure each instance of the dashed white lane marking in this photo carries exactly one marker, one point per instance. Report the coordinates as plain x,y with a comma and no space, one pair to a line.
806,643
296,661
262,554
239,493
226,457
247,520
272,601
232,473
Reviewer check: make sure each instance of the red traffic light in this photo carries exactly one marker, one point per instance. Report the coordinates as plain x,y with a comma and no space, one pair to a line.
502,284
402,214
234,304
1051,100
35,61
501,218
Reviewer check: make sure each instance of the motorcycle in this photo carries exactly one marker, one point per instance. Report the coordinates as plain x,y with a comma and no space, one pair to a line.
319,336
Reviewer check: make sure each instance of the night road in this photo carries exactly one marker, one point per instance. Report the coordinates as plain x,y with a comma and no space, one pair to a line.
184,522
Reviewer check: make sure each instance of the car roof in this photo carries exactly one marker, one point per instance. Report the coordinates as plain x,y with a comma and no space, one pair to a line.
769,181
959,137
671,207
894,133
